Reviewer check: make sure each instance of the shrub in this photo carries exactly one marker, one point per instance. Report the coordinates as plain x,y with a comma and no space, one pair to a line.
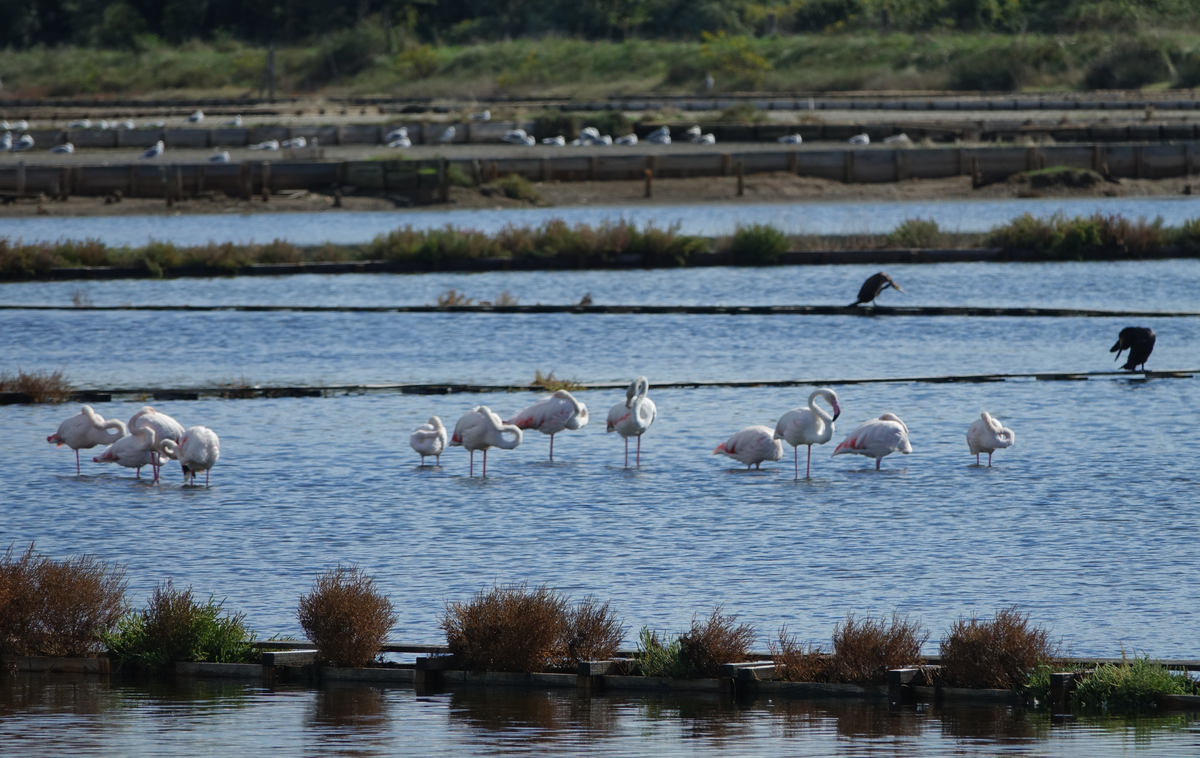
41,386
516,187
711,643
758,245
742,113
1130,686
864,649
1187,72
659,658
458,177
793,663
174,626
57,607
734,57
996,654
514,628
1059,237
915,232
345,617
1130,64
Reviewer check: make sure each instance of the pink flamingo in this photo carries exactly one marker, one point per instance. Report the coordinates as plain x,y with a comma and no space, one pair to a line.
479,429
552,415
751,446
987,435
809,425
165,428
132,451
197,451
429,439
634,416
877,438
86,430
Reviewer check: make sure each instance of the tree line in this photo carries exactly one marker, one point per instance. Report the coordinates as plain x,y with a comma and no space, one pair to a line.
134,23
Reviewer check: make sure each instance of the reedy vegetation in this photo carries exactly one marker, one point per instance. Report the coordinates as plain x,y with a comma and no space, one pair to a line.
41,386
345,616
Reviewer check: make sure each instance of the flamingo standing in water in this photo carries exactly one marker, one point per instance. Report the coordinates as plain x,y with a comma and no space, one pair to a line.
479,429
751,446
86,430
877,438
552,415
132,451
197,451
429,439
987,435
165,428
809,425
634,416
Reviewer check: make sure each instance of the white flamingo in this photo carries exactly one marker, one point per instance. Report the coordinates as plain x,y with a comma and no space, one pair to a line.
429,439
751,446
85,430
809,425
479,429
133,451
987,435
634,416
877,438
198,450
552,415
165,428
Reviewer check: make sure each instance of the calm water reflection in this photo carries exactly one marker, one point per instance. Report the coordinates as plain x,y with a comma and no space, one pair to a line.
57,715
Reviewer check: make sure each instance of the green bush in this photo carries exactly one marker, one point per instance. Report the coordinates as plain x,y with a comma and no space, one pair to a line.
915,232
174,626
697,653
1063,238
1129,686
1130,64
516,187
758,245
658,657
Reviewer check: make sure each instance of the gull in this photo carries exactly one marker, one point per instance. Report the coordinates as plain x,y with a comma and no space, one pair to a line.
660,136
791,139
271,144
400,142
102,126
400,132
559,141
692,133
514,137
221,157
294,142
859,139
196,117
898,139
155,151
80,123
705,139
6,142
154,124
65,147
447,136
23,144
124,125
484,116
235,121
628,139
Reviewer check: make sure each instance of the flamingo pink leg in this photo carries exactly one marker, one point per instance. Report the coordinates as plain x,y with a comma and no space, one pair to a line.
472,463
551,447
989,460
626,452
206,471
76,463
808,466
639,452
139,472
485,459
796,460
877,462
977,459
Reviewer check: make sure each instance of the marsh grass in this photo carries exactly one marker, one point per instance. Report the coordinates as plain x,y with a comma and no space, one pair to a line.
452,297
796,663
660,657
551,383
714,641
238,388
866,648
175,626
514,187
916,233
1060,237
515,628
1130,685
345,616
758,245
51,387
997,653
57,607
81,299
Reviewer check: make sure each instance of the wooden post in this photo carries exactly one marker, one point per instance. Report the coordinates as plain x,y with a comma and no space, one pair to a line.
976,177
793,162
1138,162
443,180
166,185
848,166
266,181
741,177
726,164
649,182
246,181
20,178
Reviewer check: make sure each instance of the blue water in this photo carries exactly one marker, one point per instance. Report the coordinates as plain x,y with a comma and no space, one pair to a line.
708,220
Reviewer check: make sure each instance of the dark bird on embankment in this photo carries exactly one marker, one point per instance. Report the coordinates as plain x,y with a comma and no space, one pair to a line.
872,287
1139,341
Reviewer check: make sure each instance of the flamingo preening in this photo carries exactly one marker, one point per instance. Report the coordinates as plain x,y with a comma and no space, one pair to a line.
877,438
987,435
552,415
134,450
85,430
634,416
429,439
165,428
751,446
809,425
198,450
479,429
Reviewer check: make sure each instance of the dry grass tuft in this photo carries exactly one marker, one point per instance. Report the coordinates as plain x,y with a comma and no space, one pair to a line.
41,386
81,299
57,608
550,383
711,643
238,389
453,297
514,628
864,649
793,663
346,618
996,654
507,298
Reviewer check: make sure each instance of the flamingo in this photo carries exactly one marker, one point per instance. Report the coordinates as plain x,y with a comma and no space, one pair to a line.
552,415
877,438
752,446
429,439
634,416
987,435
198,450
86,430
165,428
1139,340
479,429
809,425
132,451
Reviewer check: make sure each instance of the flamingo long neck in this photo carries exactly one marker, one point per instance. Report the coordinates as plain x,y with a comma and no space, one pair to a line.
818,411
504,429
147,432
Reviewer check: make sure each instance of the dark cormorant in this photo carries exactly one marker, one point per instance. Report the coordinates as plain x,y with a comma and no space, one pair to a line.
1139,341
872,287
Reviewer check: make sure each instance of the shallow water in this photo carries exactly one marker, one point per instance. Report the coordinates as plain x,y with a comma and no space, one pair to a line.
707,220
53,716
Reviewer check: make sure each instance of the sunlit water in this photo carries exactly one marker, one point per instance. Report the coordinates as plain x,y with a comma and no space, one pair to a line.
54,716
709,220
1087,523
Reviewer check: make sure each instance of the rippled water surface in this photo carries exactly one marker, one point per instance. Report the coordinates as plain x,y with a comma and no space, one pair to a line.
47,716
710,220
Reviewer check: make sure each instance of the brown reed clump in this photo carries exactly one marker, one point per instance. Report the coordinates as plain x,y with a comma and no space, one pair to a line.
794,663
452,297
57,607
550,383
864,649
345,616
708,644
49,387
1000,653
238,389
515,628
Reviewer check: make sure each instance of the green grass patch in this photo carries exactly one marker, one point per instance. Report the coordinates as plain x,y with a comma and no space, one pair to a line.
1130,686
